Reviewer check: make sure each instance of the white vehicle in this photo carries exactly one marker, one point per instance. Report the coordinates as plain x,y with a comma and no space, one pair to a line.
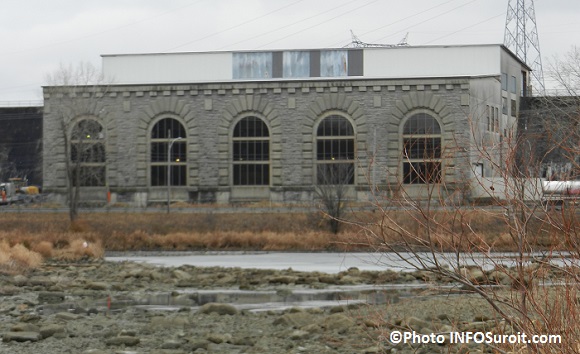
558,192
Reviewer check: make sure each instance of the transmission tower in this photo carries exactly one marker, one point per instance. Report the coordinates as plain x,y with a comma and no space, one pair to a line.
521,37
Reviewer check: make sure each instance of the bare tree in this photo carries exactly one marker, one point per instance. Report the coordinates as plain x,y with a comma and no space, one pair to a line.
334,183
444,239
75,92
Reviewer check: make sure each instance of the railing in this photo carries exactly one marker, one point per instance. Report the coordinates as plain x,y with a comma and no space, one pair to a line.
31,103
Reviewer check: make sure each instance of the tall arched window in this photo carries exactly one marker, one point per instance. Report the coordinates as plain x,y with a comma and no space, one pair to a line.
251,152
335,151
168,149
421,150
87,154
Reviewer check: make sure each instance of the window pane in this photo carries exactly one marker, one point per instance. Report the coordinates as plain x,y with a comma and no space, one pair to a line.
251,127
158,175
178,177
159,152
168,126
178,151
251,174
335,126
417,148
421,172
87,129
251,150
421,123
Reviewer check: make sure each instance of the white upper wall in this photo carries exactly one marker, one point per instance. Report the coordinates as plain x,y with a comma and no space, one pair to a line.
387,63
411,62
168,68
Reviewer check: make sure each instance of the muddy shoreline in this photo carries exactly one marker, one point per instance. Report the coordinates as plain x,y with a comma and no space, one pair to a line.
91,307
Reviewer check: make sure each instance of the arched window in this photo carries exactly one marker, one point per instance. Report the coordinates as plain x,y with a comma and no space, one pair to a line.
87,154
421,150
335,151
168,153
251,152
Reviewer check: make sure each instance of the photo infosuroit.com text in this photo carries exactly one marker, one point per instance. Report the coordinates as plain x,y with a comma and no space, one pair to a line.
413,337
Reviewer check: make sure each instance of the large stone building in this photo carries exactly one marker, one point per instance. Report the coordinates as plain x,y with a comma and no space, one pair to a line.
272,125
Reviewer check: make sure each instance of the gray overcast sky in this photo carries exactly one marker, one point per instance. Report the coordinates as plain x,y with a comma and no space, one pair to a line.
37,35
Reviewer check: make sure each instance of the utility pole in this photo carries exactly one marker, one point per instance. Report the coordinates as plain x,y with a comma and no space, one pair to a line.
521,37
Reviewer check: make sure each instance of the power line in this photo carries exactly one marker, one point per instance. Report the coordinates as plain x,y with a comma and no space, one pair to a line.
468,27
406,18
234,27
105,31
319,24
427,20
292,24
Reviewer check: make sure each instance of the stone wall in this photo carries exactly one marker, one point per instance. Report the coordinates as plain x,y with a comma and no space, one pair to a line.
291,110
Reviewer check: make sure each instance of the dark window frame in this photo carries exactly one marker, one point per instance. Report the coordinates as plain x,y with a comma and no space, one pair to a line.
251,152
422,145
163,132
335,151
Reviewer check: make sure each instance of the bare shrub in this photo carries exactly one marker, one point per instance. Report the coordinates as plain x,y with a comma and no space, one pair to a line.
44,248
80,249
24,257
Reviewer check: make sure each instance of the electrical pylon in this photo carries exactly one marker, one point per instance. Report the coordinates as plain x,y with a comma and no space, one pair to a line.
521,37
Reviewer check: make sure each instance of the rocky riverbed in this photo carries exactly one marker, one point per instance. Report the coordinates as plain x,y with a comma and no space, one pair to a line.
105,307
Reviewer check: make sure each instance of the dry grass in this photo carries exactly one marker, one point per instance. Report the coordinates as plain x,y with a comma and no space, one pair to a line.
17,257
471,230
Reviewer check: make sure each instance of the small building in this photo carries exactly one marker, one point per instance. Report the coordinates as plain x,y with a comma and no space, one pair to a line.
549,131
272,125
21,143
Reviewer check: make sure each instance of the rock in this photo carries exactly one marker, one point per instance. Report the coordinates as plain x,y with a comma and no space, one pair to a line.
415,323
9,290
219,338
328,279
67,316
337,323
296,320
46,297
312,328
24,327
101,286
180,275
337,309
21,337
127,341
30,317
196,344
40,281
20,280
171,344
350,280
159,322
220,309
283,279
299,335
50,330
245,341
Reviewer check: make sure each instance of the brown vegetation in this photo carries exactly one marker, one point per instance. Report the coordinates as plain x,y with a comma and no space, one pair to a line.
471,229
